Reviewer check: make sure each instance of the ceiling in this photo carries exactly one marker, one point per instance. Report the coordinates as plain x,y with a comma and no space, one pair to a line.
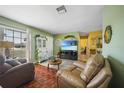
78,18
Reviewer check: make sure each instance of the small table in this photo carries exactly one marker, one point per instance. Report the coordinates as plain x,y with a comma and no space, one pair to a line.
57,62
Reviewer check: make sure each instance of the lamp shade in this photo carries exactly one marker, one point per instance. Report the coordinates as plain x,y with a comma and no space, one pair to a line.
6,44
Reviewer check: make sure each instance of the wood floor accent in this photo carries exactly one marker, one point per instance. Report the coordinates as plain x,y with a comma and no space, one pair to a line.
44,78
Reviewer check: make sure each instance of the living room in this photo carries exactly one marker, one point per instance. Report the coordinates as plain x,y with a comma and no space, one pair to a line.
39,48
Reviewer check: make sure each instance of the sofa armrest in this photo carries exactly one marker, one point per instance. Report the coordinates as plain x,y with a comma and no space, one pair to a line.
79,64
18,75
71,79
22,67
68,68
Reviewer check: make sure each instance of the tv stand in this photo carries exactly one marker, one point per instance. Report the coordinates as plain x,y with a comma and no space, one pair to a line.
69,54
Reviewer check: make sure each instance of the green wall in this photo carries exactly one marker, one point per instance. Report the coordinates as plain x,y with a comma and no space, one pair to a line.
61,37
114,16
33,31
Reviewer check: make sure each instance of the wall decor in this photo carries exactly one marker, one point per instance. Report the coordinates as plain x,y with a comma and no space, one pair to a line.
94,40
58,42
69,37
108,34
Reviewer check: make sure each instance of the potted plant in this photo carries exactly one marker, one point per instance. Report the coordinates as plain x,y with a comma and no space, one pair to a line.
36,56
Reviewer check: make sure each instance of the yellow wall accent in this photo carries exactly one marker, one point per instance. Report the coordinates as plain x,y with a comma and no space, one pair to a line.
83,41
92,39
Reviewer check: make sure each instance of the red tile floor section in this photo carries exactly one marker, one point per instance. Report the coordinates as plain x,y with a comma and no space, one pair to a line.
44,78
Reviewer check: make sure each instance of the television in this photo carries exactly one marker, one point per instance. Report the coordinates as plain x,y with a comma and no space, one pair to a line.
69,45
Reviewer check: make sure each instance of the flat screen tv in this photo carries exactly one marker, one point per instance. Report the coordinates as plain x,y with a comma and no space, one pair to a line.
69,45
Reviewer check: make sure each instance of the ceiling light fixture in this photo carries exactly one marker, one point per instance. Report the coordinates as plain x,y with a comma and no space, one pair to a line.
61,9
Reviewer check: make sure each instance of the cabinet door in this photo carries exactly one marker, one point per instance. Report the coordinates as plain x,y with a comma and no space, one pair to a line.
50,46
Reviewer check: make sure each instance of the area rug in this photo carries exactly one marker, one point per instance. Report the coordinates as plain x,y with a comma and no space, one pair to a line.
44,78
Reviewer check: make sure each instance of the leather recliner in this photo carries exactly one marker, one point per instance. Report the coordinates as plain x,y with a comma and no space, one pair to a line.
96,73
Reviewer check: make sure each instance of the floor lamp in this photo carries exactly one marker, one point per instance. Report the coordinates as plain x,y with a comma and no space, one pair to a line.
6,45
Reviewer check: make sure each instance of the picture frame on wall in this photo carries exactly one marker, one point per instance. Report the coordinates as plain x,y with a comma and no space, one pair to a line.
108,34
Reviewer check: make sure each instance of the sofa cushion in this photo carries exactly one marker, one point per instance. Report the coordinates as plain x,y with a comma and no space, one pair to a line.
101,76
2,59
13,62
22,60
93,66
5,67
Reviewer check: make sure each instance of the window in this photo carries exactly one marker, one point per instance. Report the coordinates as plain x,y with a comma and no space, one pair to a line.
44,43
19,39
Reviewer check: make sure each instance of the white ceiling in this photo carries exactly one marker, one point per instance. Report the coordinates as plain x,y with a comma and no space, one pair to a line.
79,18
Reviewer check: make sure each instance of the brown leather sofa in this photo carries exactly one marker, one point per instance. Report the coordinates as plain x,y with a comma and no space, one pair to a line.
96,73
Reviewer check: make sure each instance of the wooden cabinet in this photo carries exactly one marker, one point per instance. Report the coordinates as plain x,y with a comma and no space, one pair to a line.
67,54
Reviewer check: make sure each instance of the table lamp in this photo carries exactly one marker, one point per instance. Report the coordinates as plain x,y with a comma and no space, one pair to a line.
6,45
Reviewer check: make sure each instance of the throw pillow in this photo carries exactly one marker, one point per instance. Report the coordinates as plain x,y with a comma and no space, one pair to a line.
13,62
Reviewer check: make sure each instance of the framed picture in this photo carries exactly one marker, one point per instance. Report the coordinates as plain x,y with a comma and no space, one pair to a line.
58,42
108,34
